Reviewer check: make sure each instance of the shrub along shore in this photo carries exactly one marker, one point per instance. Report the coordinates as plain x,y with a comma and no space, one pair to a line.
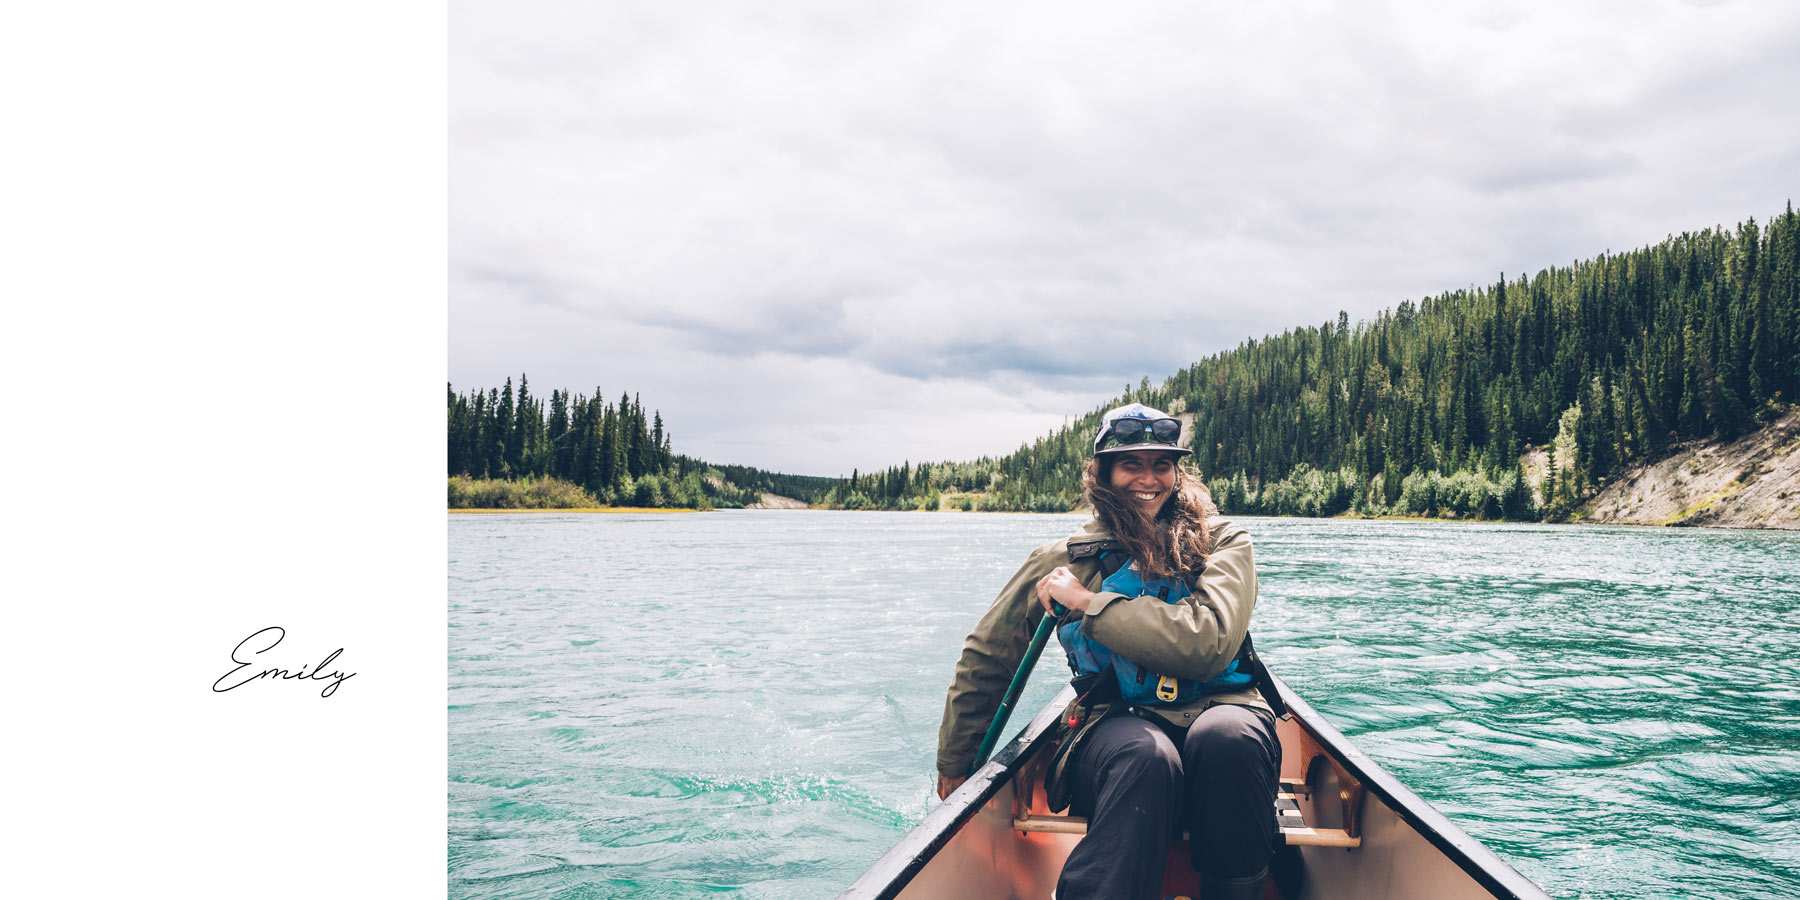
550,493
577,509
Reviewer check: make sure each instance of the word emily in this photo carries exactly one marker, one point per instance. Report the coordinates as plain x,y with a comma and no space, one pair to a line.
266,640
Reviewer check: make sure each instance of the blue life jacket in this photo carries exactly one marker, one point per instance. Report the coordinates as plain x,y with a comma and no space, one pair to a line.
1138,684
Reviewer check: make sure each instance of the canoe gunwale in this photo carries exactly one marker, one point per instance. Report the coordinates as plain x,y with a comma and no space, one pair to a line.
1472,856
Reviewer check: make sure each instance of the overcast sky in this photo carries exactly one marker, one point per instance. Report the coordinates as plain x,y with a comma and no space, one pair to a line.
820,236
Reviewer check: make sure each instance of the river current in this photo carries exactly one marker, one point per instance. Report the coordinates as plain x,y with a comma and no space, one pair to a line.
747,702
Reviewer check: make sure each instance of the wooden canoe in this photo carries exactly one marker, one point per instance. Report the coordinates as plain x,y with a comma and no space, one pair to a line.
1352,832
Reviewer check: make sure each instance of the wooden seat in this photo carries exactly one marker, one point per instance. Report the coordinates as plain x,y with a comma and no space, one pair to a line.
1294,830
1288,816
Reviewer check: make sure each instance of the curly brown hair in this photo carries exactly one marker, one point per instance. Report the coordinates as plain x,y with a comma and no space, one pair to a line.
1175,541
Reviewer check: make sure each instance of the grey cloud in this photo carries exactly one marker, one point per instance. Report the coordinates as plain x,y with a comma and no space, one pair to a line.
1057,353
1004,197
1560,167
1068,361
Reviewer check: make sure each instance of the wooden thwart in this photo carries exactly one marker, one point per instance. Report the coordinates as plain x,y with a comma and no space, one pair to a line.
1294,830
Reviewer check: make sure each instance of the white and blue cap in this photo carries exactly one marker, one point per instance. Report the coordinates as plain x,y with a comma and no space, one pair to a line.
1147,432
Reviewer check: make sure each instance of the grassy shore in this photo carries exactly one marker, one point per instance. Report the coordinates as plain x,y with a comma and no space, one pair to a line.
579,509
495,495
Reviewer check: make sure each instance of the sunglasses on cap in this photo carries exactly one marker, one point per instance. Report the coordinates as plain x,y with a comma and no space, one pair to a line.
1137,431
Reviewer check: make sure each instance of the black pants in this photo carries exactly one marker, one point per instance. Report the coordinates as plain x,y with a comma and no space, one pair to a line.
1137,791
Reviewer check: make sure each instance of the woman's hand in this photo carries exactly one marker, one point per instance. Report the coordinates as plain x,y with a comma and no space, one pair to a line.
1062,586
946,784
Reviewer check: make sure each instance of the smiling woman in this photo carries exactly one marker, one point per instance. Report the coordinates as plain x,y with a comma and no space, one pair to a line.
1146,475
1171,727
1134,473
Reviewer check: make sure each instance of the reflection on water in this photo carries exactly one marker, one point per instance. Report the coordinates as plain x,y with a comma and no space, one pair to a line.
747,702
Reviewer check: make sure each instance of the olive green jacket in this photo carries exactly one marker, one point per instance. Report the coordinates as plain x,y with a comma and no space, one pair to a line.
1195,638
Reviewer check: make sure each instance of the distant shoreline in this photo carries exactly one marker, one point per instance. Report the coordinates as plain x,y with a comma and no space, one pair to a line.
1340,518
576,509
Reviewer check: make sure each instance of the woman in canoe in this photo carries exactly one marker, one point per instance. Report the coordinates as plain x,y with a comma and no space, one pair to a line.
1169,731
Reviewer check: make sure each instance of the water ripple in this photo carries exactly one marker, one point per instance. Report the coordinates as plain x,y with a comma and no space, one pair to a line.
679,706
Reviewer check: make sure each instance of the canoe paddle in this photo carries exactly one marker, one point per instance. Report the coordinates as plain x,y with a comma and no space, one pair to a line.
1045,625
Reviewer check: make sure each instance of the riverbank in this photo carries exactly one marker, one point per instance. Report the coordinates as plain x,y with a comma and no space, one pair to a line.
648,494
776,501
1752,481
580,509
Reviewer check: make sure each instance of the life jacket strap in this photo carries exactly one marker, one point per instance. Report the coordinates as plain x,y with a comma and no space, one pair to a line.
1259,676
1090,549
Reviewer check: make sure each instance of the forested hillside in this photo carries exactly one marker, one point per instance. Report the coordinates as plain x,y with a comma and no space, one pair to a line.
1426,410
752,483
514,450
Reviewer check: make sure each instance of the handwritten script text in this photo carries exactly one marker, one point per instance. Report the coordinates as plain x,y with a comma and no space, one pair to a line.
247,654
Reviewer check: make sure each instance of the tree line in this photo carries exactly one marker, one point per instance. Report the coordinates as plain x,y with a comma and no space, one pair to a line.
512,449
614,453
1426,410
751,483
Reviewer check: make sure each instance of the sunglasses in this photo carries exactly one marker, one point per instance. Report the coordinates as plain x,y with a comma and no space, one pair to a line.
1137,431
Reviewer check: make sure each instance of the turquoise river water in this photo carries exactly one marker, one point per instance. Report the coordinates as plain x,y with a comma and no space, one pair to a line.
747,703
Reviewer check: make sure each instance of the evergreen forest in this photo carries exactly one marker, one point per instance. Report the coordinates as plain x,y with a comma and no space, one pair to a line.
514,450
1430,409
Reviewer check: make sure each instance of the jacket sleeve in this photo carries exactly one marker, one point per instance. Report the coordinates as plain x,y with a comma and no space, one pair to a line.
990,655
1195,638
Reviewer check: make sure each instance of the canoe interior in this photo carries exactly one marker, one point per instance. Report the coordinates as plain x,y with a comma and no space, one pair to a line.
969,847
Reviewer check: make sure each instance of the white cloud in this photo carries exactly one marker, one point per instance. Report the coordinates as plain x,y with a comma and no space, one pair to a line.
926,207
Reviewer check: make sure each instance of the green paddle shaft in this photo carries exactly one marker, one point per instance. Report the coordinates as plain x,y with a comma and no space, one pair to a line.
1045,625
